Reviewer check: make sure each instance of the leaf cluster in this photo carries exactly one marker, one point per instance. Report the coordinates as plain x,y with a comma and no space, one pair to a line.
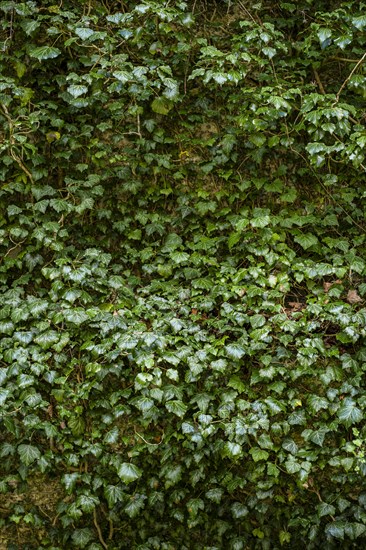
182,275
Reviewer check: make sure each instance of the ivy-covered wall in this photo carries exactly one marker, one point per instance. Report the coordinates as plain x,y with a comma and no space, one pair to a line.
182,275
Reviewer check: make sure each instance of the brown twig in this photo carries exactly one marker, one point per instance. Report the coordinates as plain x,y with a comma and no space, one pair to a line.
319,82
97,526
11,141
360,61
111,530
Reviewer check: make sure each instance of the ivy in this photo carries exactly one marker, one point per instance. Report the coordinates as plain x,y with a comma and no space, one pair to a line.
181,279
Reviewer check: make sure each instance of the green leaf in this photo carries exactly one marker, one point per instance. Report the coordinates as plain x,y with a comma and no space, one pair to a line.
215,494
336,529
306,240
284,537
161,105
7,327
194,505
128,472
269,52
236,383
359,22
28,454
113,494
232,450
357,530
45,52
258,454
317,403
318,436
239,510
84,32
144,404
325,509
257,321
81,537
258,533
111,437
77,90
69,481
47,339
234,238
297,418
4,393
77,425
324,34
135,504
87,502
176,407
23,337
265,441
76,316
292,466
122,76
235,351
272,470
290,446
349,413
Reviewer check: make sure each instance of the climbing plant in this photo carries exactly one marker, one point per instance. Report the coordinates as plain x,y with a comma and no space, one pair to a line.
182,232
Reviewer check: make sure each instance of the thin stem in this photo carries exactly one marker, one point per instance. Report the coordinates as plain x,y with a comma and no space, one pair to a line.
360,61
97,526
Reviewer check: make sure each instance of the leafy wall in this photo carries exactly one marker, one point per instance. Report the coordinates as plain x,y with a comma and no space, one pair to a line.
182,275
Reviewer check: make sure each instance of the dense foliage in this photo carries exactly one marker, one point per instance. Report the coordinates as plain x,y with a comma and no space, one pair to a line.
182,274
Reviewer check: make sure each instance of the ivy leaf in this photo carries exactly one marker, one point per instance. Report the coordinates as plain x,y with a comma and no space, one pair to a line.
122,76
28,454
292,466
4,393
194,505
336,529
84,32
239,510
69,481
76,316
87,502
232,449
316,403
359,22
306,240
258,454
324,35
111,437
128,472
144,404
290,446
325,509
135,504
318,436
45,52
81,537
349,413
235,351
77,425
113,494
236,383
161,105
257,321
77,90
215,495
7,327
176,407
